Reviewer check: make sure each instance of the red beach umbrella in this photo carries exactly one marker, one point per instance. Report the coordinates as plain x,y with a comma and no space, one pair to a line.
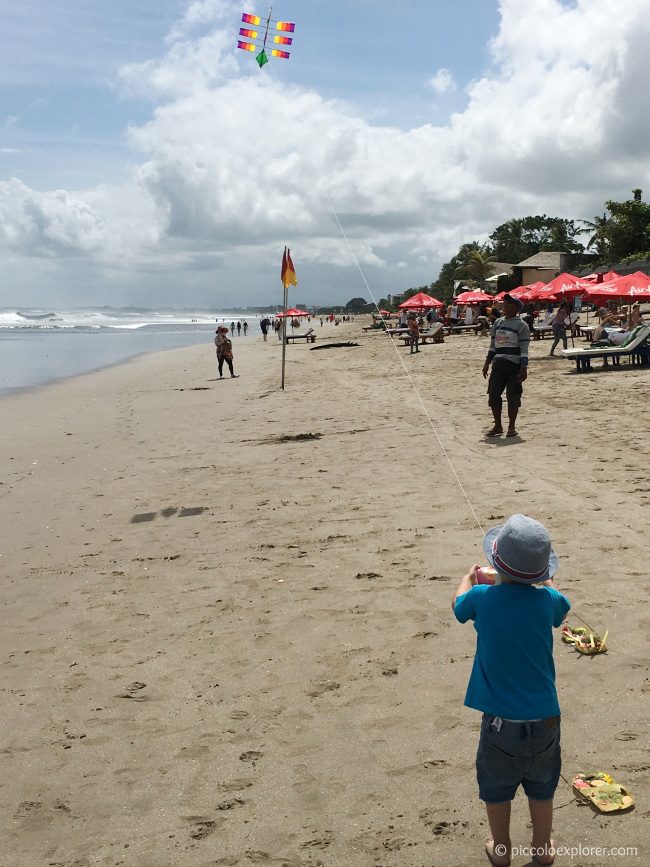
521,292
537,293
633,286
564,286
476,296
293,313
419,302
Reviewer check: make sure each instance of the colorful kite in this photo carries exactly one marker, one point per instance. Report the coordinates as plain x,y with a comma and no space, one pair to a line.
258,42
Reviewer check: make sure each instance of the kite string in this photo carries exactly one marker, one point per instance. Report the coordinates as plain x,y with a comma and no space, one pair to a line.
408,375
419,397
424,409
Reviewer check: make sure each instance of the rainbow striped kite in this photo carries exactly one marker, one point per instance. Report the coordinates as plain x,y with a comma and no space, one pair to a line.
254,41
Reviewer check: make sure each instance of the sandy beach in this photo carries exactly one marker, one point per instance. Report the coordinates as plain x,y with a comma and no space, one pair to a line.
226,627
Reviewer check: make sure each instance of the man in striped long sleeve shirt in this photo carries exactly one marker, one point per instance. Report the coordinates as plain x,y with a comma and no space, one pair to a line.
508,355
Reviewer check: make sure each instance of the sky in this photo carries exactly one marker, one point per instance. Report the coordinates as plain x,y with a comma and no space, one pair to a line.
145,160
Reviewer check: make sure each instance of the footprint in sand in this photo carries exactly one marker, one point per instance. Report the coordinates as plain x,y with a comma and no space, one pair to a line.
251,756
133,692
200,827
231,804
322,687
234,785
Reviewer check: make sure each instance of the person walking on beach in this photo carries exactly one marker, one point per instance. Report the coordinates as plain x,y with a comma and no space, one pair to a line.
232,328
224,351
245,326
414,332
559,326
508,355
513,681
238,328
264,325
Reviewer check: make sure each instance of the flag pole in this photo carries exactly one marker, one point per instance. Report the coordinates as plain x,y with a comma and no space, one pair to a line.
283,326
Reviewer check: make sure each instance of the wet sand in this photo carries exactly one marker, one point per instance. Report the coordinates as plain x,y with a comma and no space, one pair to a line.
226,627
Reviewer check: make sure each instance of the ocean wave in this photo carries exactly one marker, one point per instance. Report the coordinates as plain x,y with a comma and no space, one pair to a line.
113,319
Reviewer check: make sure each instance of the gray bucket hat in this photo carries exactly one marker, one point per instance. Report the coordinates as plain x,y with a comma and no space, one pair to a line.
521,550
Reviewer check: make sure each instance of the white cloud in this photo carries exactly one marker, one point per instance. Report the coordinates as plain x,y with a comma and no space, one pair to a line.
442,82
51,224
235,164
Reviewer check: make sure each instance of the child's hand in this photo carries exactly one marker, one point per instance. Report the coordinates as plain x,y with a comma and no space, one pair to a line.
473,577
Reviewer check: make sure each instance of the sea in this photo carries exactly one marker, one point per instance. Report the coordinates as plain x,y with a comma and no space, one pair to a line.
41,346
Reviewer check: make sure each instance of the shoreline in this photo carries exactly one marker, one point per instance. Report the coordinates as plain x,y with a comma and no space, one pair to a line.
226,631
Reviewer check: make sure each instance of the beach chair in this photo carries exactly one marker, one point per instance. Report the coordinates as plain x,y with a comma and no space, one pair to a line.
541,328
635,348
432,335
308,337
464,329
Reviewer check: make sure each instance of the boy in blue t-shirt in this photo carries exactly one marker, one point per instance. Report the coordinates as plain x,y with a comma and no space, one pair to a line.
513,680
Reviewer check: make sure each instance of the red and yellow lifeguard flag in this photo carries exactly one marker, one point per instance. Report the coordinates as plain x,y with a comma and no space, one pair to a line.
276,53
251,19
288,273
247,46
287,26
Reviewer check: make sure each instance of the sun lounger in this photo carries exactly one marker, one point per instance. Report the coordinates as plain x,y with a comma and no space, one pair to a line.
546,327
482,326
433,335
636,348
308,336
587,331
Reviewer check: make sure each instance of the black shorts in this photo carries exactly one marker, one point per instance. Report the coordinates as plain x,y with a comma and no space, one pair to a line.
504,376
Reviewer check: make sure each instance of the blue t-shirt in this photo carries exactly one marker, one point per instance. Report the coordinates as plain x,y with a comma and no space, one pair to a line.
513,674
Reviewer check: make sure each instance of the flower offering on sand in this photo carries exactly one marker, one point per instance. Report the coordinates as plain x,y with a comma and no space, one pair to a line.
603,792
583,640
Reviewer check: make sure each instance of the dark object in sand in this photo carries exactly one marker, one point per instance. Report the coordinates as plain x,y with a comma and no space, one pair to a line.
332,346
288,438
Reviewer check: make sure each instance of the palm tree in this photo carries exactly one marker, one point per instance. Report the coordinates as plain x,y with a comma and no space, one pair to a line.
598,230
476,263
511,241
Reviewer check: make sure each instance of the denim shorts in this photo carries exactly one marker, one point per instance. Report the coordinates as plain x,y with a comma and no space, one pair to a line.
526,753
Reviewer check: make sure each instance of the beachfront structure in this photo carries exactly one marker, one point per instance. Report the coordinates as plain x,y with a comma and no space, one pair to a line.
548,264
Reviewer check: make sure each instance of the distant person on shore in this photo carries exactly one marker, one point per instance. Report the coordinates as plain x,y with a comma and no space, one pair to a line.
559,326
245,326
264,325
414,332
508,355
432,317
232,328
224,350
513,681
238,328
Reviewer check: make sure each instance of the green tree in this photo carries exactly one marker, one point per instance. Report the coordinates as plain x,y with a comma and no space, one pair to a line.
597,229
359,305
519,239
476,264
627,232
